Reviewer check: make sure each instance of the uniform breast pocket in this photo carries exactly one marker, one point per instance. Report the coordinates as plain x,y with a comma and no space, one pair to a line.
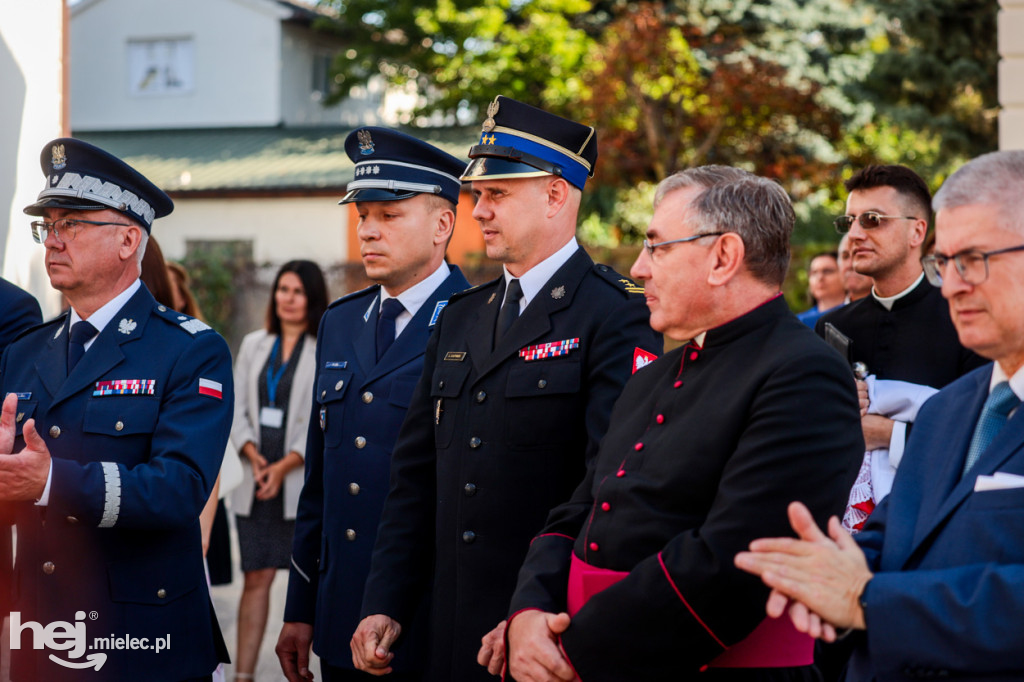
331,388
543,404
400,393
121,416
445,388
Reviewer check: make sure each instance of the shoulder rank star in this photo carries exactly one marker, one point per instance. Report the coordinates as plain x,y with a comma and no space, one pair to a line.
126,326
558,292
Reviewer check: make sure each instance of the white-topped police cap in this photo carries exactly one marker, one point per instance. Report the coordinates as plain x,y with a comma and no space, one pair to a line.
83,177
521,141
391,165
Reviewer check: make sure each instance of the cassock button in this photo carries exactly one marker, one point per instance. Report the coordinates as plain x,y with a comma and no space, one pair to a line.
360,442
694,355
594,547
542,383
353,488
620,473
677,384
161,593
119,425
350,535
54,431
474,442
469,537
638,447
481,396
338,386
660,419
367,397
605,506
49,568
470,489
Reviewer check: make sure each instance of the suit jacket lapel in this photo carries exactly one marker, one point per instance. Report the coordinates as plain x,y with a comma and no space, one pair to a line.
412,342
480,333
536,319
52,366
365,341
105,352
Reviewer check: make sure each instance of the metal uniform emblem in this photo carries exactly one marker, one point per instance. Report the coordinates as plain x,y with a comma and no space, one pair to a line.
492,109
491,299
126,326
631,287
558,292
365,142
58,159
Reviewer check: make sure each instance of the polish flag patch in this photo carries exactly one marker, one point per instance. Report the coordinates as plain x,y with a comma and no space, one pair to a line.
642,358
211,388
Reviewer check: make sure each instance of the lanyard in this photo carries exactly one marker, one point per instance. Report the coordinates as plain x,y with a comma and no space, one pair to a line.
274,377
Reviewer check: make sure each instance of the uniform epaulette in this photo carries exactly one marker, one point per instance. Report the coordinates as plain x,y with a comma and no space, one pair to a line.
620,282
470,291
182,321
353,295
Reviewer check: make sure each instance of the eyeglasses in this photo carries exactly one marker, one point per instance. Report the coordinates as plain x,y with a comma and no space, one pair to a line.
63,229
971,265
869,220
650,247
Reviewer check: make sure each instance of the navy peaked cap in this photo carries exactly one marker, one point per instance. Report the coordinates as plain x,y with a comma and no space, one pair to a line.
391,165
83,177
520,141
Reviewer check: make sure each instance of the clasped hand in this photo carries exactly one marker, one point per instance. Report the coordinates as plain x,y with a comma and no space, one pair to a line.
23,474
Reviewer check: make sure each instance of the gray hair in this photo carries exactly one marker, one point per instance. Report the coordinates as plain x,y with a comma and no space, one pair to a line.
755,208
996,179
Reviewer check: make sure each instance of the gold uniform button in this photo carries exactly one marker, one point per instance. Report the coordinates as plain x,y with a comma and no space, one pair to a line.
119,426
161,593
350,535
353,488
367,397
49,568
481,396
474,442
54,431
337,386
542,383
360,442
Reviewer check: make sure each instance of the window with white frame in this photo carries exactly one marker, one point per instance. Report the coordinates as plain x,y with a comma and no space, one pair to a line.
164,66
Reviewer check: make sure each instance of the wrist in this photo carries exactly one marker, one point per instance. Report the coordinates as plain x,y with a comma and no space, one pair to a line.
861,605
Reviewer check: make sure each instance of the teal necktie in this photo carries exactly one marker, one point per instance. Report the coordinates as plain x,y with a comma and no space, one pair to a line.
994,413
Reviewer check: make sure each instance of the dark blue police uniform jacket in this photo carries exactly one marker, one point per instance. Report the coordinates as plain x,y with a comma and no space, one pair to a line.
493,440
137,432
358,407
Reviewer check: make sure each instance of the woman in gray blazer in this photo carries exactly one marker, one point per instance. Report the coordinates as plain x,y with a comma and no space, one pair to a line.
274,387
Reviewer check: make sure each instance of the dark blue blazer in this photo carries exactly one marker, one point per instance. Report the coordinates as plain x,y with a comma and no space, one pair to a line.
119,541
358,407
948,592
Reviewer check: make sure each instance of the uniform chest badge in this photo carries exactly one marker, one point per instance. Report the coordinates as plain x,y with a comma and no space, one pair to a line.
125,387
437,312
642,358
549,350
126,325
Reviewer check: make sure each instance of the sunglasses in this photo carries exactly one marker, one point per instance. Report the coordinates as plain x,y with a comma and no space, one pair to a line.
869,220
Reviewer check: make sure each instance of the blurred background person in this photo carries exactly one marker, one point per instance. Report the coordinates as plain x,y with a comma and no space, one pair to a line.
856,285
825,286
181,290
274,374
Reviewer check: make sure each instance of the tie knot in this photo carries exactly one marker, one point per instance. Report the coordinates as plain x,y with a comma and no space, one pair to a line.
82,331
1002,400
514,292
391,308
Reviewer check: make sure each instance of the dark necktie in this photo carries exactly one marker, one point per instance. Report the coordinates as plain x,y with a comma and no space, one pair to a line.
389,310
997,408
81,332
509,309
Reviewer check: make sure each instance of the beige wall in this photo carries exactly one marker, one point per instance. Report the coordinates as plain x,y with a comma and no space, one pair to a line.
1011,74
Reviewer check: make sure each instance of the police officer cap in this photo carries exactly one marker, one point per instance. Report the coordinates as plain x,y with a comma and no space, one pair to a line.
83,177
520,141
391,165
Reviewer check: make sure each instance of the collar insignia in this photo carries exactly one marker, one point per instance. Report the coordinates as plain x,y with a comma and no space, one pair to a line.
126,326
558,292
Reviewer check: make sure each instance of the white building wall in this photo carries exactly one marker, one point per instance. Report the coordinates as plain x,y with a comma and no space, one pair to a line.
31,35
281,229
1011,74
235,80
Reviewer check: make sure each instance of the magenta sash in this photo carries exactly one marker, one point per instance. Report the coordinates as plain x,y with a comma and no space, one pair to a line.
775,643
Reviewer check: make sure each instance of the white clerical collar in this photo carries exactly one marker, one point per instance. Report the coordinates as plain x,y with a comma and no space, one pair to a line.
413,298
102,317
887,301
536,277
